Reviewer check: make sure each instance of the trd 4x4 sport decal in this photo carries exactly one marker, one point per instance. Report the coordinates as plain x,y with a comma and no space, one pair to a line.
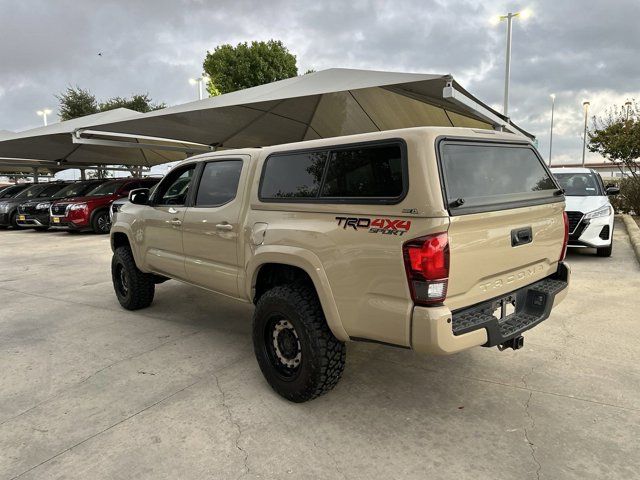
386,226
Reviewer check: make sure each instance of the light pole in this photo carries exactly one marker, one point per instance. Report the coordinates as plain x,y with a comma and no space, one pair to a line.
43,113
524,14
585,105
199,81
553,105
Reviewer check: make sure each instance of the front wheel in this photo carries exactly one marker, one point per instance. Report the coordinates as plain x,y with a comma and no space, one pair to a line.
134,288
13,221
295,349
101,222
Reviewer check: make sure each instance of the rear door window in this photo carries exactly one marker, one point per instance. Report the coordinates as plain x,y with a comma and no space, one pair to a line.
490,176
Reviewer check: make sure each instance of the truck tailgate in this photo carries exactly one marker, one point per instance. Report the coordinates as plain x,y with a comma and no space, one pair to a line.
484,264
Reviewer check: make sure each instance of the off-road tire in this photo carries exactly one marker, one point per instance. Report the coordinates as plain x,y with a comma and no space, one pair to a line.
97,224
605,251
322,355
138,290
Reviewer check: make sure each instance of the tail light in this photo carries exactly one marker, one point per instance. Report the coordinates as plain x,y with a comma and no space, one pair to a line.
563,252
426,260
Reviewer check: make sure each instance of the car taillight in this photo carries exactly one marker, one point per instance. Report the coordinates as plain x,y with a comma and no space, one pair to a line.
563,252
426,260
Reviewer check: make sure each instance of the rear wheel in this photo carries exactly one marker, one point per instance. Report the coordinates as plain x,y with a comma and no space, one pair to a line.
100,223
295,349
134,288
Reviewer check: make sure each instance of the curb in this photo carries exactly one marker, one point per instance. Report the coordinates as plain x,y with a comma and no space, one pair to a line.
634,233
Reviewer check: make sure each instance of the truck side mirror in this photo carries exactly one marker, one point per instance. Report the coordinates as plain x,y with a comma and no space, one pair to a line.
612,190
139,196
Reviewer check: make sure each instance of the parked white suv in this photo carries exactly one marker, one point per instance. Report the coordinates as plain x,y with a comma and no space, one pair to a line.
588,208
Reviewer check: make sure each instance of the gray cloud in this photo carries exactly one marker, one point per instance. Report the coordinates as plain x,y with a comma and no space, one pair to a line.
577,50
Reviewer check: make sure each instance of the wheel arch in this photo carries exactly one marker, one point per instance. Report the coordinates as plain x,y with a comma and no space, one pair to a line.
270,259
121,238
96,212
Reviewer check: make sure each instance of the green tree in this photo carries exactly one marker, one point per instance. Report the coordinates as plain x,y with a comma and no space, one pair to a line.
76,102
616,136
235,68
139,103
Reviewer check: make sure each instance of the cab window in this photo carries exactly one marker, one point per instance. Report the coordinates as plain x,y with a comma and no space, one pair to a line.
219,183
174,189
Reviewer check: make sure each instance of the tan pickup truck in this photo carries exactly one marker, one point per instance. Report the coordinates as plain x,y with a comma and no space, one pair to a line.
433,239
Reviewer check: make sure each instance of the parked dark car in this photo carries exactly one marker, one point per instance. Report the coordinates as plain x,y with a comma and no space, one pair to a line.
9,206
91,212
35,213
12,190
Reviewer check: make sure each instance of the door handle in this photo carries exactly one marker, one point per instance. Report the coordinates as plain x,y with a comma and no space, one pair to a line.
176,222
521,236
224,226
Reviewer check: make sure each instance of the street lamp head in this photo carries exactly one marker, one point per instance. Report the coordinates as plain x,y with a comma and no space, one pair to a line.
44,111
585,104
495,20
526,13
193,81
552,96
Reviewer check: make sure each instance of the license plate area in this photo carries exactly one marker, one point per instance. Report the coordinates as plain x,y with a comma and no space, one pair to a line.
56,220
22,218
502,308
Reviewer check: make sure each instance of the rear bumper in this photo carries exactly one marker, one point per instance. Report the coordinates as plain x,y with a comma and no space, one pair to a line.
4,219
439,331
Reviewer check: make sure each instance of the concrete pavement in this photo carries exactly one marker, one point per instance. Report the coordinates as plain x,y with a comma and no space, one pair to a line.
89,390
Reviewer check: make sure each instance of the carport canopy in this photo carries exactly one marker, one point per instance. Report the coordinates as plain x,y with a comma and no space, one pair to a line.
60,145
324,104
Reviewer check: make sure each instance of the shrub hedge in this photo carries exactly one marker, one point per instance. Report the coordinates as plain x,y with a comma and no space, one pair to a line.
629,199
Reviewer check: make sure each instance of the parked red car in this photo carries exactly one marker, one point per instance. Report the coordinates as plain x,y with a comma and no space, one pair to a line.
91,212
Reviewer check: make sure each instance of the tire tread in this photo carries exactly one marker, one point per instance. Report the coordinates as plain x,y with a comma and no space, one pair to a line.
141,285
329,353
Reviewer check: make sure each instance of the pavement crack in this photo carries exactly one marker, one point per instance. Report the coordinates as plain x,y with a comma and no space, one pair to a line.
511,385
525,376
526,436
333,460
148,407
97,372
234,422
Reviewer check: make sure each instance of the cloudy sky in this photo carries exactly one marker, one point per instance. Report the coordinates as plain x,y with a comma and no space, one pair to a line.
585,49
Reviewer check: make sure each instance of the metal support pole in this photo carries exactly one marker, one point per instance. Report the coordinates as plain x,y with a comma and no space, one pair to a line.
553,104
83,175
584,138
35,175
507,72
